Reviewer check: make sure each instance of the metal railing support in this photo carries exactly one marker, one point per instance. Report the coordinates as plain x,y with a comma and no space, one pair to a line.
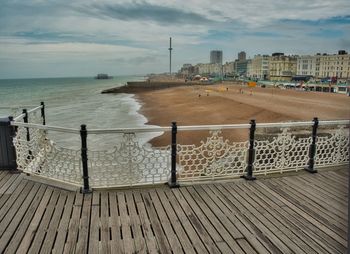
7,149
173,181
43,112
84,159
312,150
251,152
26,120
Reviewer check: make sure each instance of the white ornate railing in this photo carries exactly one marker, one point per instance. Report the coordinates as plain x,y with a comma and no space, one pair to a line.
214,158
278,147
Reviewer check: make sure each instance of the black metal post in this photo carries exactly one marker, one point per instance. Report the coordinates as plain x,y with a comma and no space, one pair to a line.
43,112
13,133
25,119
312,150
84,158
251,152
173,183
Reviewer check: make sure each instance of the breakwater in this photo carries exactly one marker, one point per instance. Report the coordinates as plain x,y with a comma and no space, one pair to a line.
141,86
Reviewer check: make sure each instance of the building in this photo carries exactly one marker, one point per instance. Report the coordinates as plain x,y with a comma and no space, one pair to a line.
187,70
209,69
242,56
281,67
216,57
259,67
335,66
228,69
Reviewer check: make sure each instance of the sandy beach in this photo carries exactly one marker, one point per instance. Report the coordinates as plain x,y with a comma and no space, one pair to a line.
232,103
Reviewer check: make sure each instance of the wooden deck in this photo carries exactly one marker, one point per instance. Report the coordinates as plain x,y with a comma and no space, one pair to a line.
305,213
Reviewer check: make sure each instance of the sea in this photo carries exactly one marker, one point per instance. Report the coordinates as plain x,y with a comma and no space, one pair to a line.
70,102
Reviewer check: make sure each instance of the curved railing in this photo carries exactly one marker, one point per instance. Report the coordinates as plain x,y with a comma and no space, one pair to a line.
196,153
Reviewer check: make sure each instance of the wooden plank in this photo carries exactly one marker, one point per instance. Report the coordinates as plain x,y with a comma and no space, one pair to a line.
105,246
337,232
10,191
267,221
8,214
20,222
95,223
324,191
315,194
231,202
315,202
140,245
173,240
125,224
246,246
117,244
303,229
227,230
83,243
43,226
162,241
275,219
231,214
6,182
14,184
331,237
211,229
73,230
186,234
9,200
34,223
145,224
64,224
194,220
53,225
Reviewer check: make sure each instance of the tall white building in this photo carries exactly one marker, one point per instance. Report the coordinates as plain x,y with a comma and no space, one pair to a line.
259,67
306,65
216,57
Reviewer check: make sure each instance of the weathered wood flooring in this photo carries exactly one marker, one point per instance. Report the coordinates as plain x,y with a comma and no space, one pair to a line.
306,213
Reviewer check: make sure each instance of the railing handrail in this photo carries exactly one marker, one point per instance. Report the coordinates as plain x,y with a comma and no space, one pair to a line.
18,107
180,128
34,109
46,127
128,130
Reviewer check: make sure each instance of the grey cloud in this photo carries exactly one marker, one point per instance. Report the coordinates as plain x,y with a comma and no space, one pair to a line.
145,11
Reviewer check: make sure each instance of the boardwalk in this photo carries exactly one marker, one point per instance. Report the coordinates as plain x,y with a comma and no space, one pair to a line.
303,213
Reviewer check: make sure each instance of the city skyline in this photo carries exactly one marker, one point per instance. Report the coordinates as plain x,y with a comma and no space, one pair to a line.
46,39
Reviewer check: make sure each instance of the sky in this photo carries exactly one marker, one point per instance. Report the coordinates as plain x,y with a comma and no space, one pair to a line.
75,38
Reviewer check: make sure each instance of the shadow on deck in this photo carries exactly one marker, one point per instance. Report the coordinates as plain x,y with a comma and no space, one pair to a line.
304,213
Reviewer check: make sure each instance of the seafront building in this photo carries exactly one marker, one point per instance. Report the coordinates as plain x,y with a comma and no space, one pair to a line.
282,67
259,67
278,67
241,65
229,69
325,66
337,66
216,57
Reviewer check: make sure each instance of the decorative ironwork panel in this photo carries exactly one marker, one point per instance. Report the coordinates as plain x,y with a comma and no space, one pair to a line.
35,117
213,158
333,148
41,156
282,152
130,163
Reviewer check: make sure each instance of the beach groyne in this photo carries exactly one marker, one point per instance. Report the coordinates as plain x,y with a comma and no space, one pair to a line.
148,85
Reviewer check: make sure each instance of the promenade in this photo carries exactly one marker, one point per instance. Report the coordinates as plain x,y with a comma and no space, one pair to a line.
298,213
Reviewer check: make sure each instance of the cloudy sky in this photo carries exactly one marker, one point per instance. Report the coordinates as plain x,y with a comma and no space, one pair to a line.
47,38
